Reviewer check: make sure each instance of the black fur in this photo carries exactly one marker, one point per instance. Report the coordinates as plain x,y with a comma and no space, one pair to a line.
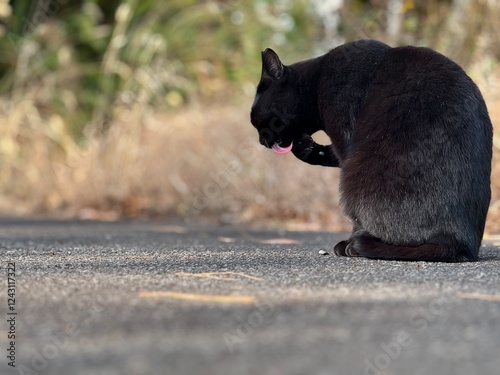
411,133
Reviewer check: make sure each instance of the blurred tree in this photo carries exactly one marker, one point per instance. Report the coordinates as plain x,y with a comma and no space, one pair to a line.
454,27
464,26
210,47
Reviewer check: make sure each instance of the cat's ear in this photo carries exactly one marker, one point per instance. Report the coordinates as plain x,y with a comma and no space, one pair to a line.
271,65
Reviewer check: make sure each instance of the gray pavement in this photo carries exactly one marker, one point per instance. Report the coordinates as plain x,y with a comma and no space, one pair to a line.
163,298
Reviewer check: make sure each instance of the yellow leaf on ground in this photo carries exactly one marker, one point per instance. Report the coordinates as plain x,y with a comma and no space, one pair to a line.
199,297
484,297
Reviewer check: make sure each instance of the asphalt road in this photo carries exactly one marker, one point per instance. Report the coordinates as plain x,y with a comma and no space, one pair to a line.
157,298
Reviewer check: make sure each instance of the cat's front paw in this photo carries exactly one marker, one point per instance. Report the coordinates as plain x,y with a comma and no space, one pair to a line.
345,249
303,147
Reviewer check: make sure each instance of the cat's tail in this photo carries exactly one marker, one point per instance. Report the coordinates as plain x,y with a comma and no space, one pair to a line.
437,249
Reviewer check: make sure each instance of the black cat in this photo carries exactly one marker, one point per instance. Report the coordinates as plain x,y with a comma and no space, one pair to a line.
410,131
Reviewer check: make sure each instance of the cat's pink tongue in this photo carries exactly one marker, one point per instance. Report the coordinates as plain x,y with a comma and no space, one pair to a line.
282,150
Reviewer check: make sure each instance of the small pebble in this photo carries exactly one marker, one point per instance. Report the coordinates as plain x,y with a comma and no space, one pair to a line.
323,252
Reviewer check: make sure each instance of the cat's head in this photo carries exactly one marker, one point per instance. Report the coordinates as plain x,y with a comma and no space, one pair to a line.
275,109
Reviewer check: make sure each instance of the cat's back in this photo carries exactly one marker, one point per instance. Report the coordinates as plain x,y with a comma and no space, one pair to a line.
415,71
416,94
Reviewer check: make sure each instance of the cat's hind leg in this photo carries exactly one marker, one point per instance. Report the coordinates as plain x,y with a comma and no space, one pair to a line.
339,249
443,248
345,249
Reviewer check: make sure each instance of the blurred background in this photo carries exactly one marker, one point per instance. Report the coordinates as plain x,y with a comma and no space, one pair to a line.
113,109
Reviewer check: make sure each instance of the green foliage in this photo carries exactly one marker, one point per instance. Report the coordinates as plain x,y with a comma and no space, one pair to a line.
109,52
83,59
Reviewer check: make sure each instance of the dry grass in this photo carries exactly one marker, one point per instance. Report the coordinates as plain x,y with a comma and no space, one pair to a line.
203,161
493,222
200,162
